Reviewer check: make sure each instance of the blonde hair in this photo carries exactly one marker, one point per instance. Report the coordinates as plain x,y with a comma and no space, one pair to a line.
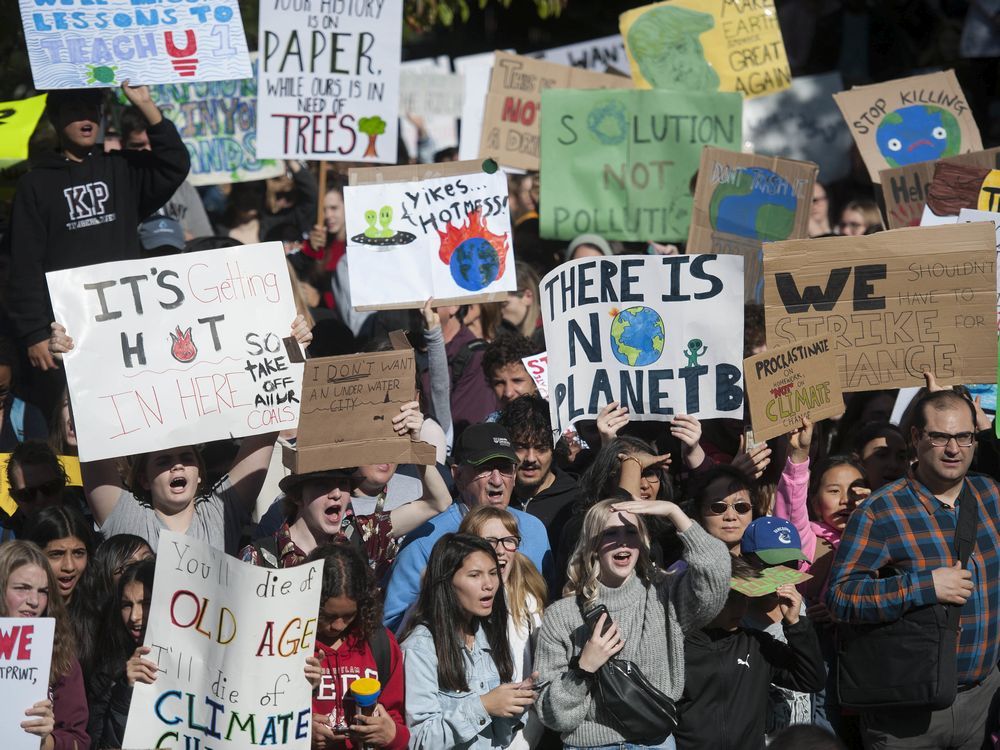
524,581
584,570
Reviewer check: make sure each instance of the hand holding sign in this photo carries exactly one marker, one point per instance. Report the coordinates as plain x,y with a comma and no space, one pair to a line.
41,721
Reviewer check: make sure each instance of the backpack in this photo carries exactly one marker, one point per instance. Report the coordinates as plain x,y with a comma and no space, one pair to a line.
463,357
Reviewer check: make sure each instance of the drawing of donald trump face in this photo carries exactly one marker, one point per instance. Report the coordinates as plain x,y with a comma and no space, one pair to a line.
665,45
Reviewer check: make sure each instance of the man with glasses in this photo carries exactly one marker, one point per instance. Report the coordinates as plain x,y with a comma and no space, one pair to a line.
907,528
484,467
35,480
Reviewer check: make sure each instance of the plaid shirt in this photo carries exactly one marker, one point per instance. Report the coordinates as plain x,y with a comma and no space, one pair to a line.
905,527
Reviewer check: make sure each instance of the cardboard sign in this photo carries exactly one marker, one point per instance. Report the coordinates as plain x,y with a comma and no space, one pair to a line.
230,642
25,661
892,302
707,45
790,382
329,80
512,110
606,53
769,581
412,236
75,44
620,163
954,187
904,189
537,366
909,120
18,120
744,200
971,215
427,94
802,123
662,335
178,350
218,124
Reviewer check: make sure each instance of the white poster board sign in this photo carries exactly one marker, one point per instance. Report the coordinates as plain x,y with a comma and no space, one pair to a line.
594,54
178,350
537,366
475,71
443,130
430,94
25,660
662,335
329,81
230,642
447,237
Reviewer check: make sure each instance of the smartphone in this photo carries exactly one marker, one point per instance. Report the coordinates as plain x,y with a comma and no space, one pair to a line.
538,686
594,615
748,442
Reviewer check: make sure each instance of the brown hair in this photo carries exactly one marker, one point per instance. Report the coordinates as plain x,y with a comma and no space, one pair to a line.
139,463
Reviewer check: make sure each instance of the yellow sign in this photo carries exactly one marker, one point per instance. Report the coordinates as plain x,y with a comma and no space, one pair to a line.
70,464
989,192
17,123
707,45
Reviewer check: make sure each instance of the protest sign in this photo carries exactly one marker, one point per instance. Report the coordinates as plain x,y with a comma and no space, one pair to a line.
661,335
954,187
25,661
435,230
744,200
606,53
429,94
329,80
537,366
18,120
621,163
442,129
230,642
909,120
512,110
706,45
787,383
475,71
802,123
892,303
75,44
178,350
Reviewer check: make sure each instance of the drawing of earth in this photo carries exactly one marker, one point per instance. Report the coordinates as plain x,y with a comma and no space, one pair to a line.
920,132
759,205
637,336
474,264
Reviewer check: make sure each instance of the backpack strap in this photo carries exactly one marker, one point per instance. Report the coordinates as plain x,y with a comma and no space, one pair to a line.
463,357
17,418
382,653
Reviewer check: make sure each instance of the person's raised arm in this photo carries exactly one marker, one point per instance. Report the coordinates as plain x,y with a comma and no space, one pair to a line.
791,495
436,497
633,467
438,374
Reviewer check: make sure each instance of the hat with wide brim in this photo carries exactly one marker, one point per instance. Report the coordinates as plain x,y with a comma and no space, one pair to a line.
294,481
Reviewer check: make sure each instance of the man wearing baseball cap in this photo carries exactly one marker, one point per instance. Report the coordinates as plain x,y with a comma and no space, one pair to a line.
484,467
773,541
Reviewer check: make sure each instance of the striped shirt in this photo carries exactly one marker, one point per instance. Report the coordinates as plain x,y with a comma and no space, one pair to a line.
903,526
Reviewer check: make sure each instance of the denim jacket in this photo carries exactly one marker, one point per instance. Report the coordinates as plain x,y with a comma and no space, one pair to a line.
447,718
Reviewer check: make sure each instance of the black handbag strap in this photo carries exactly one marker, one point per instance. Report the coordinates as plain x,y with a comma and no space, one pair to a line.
966,530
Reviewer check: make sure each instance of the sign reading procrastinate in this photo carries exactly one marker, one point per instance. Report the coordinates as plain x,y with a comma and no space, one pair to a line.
25,659
787,383
230,642
75,44
661,335
620,163
892,303
178,350
329,80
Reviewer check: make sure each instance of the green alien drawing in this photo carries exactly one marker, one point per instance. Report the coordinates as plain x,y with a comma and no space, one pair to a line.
371,230
379,231
385,219
692,352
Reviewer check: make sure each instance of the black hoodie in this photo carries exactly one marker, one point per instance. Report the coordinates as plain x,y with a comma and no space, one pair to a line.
70,214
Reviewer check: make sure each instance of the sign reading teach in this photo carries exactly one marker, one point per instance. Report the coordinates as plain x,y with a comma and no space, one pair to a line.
178,350
620,163
892,303
661,335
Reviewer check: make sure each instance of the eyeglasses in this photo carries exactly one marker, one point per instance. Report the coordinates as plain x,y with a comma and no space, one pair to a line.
509,543
721,506
941,439
25,494
506,469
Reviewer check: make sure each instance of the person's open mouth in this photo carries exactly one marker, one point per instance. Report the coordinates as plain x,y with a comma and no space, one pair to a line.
178,484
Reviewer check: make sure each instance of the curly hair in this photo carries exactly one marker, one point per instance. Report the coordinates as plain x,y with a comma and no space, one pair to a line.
346,573
506,349
527,420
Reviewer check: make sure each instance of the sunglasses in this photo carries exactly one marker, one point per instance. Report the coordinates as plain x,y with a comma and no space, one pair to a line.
30,493
719,507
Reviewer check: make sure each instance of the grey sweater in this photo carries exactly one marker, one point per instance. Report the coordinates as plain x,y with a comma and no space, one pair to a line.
652,620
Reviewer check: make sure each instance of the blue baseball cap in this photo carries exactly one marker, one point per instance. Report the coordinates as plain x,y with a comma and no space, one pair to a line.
774,540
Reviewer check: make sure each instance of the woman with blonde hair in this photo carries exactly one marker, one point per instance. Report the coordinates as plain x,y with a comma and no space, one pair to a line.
29,589
617,604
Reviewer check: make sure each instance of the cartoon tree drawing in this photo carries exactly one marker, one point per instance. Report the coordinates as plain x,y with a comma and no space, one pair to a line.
373,127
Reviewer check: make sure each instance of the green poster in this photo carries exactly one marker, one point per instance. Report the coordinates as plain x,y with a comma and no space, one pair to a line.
621,163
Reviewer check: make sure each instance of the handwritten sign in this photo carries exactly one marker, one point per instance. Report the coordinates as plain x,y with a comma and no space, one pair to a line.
430,94
178,350
662,335
25,660
620,163
77,44
707,45
744,200
329,80
909,120
769,581
891,302
410,239
790,382
970,215
606,53
537,366
18,120
230,641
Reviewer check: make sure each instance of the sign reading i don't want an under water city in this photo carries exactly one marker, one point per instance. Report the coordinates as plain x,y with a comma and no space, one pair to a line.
661,335
178,350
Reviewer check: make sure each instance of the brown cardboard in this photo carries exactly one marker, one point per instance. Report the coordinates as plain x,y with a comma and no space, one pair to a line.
721,168
512,111
910,299
904,189
790,382
348,403
865,108
955,187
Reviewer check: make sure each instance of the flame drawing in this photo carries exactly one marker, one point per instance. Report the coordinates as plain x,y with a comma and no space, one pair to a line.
477,257
183,348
